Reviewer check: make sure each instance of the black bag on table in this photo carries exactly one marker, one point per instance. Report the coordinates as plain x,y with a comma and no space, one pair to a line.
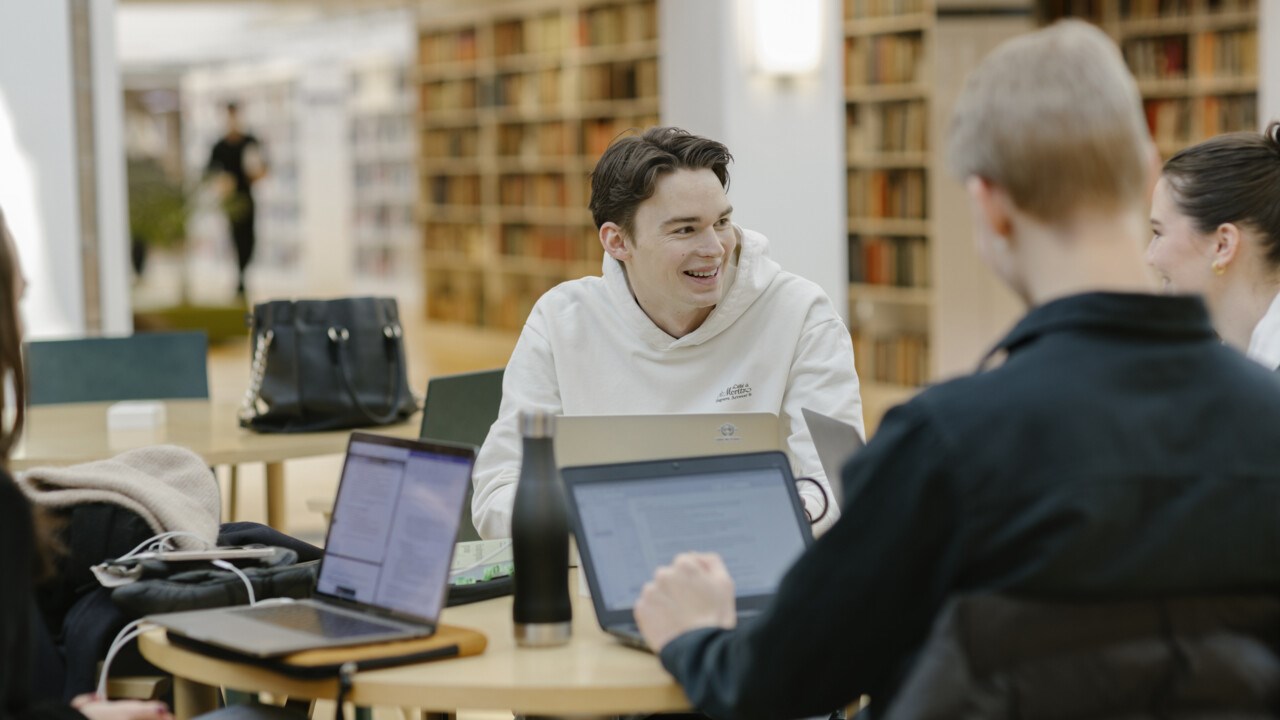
326,365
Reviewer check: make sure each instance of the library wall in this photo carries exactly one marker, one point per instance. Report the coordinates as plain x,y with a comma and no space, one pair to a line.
785,133
1269,62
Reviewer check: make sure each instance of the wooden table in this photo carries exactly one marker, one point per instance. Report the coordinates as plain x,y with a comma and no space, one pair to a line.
77,432
592,675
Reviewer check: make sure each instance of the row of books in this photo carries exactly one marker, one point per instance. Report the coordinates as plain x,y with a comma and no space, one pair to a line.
396,174
515,296
884,59
450,143
887,194
448,95
1220,6
1229,54
381,129
887,128
543,190
548,139
618,24
1169,120
454,190
460,239
442,48
599,133
1228,113
896,359
542,34
620,80
528,90
453,296
383,218
1146,9
1160,58
897,261
566,243
879,8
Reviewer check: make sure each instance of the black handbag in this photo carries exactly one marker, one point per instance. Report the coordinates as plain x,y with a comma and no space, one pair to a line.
326,365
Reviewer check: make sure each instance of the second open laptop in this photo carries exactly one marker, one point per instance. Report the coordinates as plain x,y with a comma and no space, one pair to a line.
836,441
601,439
632,518
386,561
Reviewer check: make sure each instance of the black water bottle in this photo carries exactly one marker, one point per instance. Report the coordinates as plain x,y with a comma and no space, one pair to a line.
540,540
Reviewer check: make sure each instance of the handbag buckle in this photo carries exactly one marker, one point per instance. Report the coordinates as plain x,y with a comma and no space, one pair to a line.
337,334
392,332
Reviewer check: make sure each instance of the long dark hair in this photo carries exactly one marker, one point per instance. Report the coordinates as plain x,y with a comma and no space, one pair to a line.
1232,178
10,342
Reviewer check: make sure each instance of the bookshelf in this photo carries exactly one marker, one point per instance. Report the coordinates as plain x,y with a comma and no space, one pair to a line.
516,101
384,175
888,48
1196,61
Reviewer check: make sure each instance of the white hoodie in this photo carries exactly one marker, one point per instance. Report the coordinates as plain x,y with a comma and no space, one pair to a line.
774,344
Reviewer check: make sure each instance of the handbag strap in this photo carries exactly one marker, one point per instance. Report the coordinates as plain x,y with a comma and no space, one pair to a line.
257,371
395,378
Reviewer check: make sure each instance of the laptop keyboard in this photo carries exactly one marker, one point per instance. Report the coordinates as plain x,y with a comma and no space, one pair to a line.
318,621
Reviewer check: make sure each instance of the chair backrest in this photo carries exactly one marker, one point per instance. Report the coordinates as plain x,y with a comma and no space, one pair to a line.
1001,656
146,366
460,408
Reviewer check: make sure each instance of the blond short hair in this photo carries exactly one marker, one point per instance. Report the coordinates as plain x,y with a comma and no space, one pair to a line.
1055,119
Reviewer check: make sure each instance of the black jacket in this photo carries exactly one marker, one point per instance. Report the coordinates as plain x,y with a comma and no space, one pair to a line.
1194,657
1120,451
18,626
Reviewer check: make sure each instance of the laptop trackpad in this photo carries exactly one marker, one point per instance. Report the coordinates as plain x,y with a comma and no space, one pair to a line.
318,621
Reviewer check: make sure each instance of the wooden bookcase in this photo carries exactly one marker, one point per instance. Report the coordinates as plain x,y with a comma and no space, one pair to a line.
888,46
1196,61
516,101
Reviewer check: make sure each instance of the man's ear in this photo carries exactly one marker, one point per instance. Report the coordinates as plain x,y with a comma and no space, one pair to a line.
991,205
614,243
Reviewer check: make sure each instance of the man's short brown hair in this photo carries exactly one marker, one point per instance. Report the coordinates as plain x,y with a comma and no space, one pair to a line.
628,171
1055,119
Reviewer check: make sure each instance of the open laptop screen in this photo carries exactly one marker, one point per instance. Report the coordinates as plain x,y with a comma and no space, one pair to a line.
636,525
394,523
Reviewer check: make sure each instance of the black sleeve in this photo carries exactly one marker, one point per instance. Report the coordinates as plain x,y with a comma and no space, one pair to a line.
852,610
215,160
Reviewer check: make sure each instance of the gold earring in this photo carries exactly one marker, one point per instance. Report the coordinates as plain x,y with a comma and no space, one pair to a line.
1218,267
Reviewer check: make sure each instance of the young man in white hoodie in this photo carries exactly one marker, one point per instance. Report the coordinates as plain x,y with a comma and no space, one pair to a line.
690,316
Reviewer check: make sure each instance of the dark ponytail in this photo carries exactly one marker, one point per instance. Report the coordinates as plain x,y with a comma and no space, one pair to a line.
1232,178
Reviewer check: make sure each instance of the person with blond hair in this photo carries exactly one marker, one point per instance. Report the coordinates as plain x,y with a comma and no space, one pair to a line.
1215,224
1110,448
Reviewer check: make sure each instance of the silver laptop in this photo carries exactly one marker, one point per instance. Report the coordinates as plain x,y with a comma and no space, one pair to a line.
836,441
632,518
386,559
605,439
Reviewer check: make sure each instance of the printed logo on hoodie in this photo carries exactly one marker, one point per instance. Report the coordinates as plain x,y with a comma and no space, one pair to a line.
737,391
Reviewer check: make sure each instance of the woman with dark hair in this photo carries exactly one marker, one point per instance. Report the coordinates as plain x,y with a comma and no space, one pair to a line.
1215,219
24,544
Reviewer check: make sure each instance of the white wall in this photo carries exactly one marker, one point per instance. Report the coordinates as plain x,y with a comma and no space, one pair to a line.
1269,62
38,187
786,136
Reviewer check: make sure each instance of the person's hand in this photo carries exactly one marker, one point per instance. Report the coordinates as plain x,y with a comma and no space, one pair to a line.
694,591
95,708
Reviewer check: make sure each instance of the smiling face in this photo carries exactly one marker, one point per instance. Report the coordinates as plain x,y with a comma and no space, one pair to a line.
683,240
1181,256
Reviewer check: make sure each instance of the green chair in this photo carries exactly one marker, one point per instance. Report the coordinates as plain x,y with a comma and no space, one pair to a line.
146,366
460,408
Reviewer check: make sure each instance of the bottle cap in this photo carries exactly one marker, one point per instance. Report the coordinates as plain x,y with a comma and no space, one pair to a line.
537,424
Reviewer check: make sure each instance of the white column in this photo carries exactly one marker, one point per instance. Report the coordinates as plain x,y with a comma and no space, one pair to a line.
113,202
1269,61
37,162
786,135
324,166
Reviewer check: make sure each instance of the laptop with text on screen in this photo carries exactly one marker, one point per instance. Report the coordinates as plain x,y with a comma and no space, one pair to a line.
386,561
632,518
